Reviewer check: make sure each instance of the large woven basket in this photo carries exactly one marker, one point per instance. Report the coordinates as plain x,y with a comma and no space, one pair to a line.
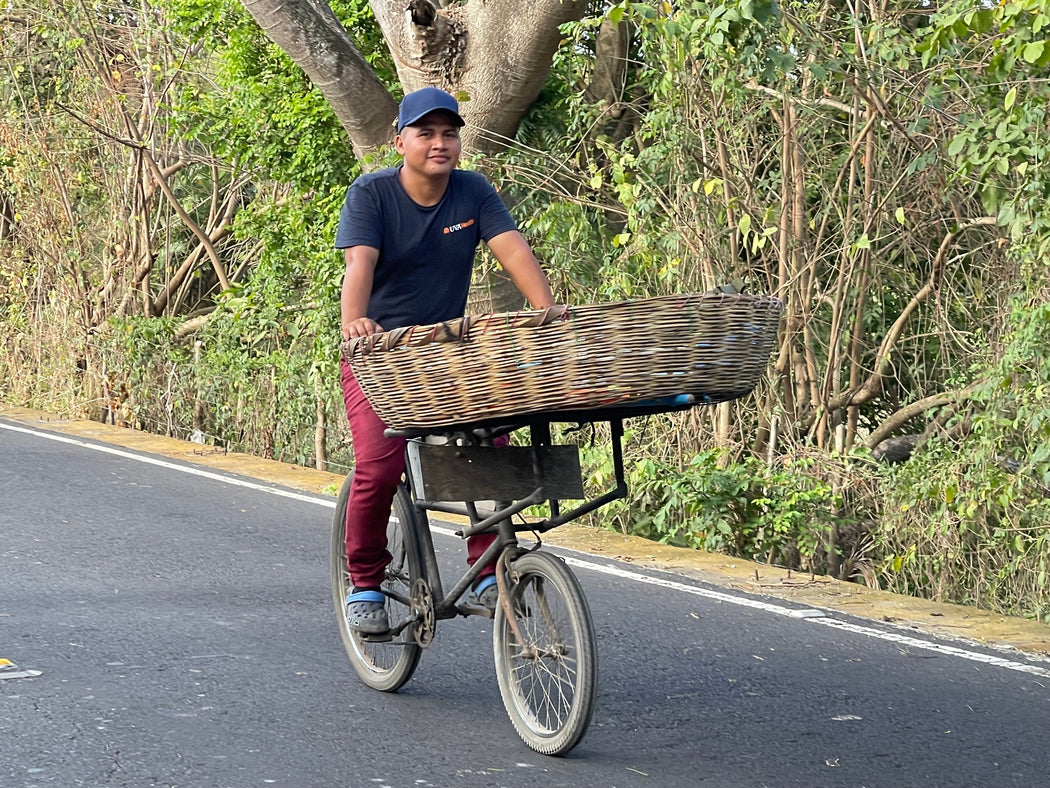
713,346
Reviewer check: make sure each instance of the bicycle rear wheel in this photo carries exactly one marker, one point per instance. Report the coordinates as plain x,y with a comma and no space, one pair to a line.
384,666
548,676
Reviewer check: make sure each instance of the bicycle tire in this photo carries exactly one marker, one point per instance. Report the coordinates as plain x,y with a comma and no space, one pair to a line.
384,666
549,681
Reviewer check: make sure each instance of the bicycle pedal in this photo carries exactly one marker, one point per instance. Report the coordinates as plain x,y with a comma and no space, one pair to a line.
377,637
469,609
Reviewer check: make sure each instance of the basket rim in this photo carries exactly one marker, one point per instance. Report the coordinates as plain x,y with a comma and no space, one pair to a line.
462,329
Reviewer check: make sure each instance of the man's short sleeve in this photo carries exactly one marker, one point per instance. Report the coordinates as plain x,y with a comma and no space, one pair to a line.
360,221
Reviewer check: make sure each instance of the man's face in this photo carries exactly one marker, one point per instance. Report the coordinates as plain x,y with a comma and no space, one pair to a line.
431,146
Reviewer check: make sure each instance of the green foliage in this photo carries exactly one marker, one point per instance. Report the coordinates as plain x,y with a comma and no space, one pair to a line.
268,351
784,514
746,509
973,535
250,380
966,520
260,109
241,132
1002,62
906,126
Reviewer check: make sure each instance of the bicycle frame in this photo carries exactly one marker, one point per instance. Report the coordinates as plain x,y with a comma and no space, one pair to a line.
543,637
481,434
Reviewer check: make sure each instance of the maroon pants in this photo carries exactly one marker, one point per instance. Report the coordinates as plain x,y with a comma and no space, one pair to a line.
379,463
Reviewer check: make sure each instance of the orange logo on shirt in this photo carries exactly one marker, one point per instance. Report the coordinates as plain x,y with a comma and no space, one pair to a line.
460,226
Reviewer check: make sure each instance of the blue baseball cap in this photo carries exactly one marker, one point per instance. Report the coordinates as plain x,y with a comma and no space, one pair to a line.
424,101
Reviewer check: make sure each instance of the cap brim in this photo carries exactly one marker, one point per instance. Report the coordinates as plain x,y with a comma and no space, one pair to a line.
455,116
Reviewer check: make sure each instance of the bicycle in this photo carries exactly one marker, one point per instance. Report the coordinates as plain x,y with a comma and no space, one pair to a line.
543,636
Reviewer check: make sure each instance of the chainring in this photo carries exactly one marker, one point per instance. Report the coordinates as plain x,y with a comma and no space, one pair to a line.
423,610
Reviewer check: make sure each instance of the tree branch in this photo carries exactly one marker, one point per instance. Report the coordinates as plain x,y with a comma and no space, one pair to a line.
895,421
610,65
883,357
428,43
498,53
192,325
845,109
310,34
194,228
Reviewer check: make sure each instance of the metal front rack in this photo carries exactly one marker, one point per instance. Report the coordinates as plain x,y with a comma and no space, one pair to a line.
463,465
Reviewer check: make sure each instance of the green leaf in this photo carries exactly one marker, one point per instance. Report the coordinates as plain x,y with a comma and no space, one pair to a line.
1011,97
1033,51
745,224
864,242
899,213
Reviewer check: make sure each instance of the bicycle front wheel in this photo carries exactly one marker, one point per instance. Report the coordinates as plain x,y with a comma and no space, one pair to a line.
546,661
382,665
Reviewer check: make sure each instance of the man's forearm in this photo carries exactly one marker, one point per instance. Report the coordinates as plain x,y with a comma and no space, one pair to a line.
520,263
355,294
532,283
353,302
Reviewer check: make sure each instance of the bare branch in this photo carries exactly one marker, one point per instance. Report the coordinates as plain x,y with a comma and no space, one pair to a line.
894,422
192,325
194,228
867,390
823,101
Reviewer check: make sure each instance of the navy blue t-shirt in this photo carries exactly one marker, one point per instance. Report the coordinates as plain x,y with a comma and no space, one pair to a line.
426,254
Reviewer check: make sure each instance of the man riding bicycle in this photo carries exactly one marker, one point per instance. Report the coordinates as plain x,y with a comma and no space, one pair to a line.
409,235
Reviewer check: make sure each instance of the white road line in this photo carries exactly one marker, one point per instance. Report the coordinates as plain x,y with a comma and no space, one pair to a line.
807,614
815,617
940,648
330,503
757,604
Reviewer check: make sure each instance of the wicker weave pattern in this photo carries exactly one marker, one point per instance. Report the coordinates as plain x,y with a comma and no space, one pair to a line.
714,346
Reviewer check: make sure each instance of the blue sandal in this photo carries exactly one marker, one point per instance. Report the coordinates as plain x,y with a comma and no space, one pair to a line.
366,612
486,592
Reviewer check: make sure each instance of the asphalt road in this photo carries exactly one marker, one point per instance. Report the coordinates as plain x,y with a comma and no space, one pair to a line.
183,629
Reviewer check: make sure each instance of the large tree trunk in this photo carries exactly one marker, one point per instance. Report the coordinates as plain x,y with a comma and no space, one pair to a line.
494,55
